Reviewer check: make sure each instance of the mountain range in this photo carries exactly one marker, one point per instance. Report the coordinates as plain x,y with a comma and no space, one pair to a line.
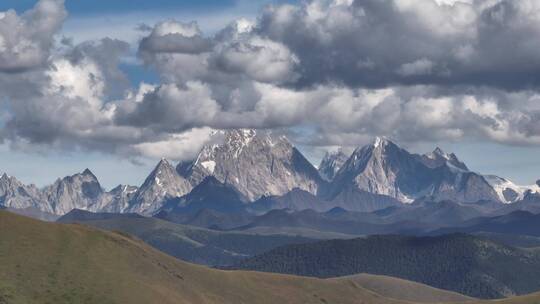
266,172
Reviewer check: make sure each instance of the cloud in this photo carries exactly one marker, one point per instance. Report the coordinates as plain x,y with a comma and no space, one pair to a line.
345,70
373,43
175,37
25,40
171,108
183,146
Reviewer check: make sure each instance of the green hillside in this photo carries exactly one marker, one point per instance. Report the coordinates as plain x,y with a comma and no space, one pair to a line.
53,263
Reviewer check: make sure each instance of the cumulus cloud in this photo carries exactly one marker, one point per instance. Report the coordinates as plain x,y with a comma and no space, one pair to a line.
345,70
171,108
25,40
182,146
411,42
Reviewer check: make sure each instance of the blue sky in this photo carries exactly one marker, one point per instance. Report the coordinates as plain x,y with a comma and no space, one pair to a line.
96,19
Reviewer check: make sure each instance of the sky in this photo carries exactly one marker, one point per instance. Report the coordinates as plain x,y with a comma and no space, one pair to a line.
115,85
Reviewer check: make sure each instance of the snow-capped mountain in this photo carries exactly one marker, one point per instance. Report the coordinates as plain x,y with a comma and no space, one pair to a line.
509,192
162,184
438,158
383,168
331,163
256,163
14,194
259,164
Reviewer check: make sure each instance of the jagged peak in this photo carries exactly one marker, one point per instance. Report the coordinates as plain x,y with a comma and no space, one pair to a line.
381,142
88,172
450,158
163,164
5,178
439,151
235,141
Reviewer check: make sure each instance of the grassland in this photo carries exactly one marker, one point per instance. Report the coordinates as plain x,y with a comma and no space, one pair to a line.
52,263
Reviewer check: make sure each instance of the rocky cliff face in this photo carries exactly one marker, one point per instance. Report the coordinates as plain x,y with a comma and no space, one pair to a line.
162,184
14,194
383,168
331,163
119,198
439,158
256,163
79,191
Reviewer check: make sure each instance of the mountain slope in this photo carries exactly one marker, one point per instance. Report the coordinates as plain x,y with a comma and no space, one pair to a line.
296,199
209,194
469,265
52,263
439,158
383,168
331,163
161,185
405,290
14,194
191,244
79,191
256,163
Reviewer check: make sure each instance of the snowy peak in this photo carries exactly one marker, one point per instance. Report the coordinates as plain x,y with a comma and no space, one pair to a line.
508,191
6,181
162,184
256,162
439,158
331,163
378,168
162,168
381,142
384,168
379,152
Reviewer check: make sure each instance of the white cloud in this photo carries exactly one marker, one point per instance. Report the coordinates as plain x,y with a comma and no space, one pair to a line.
25,40
412,70
182,146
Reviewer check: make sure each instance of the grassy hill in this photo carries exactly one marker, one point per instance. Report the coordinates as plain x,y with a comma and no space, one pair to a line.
466,264
52,263
405,290
188,243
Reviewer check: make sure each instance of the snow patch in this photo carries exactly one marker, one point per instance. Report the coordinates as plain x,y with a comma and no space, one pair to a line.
377,142
500,184
209,165
158,181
